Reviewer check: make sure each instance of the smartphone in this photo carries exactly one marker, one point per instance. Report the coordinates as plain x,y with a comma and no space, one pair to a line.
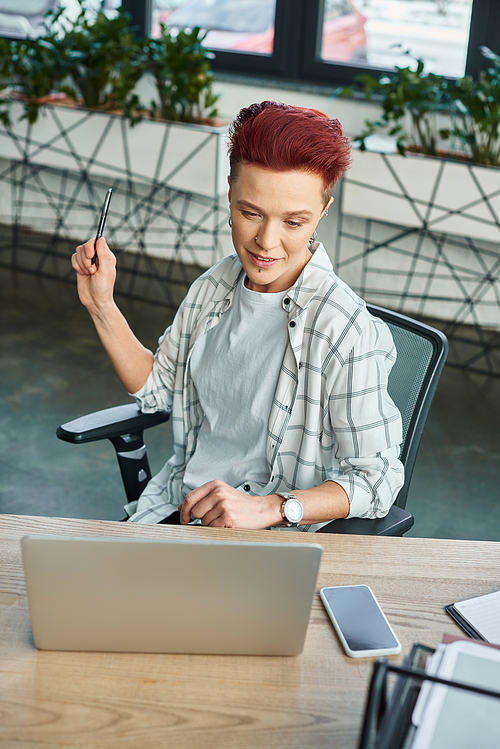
359,621
102,221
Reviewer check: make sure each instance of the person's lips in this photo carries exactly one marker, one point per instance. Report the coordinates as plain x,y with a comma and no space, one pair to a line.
263,262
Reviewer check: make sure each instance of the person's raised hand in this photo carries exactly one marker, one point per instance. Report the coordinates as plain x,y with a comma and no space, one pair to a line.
95,281
221,506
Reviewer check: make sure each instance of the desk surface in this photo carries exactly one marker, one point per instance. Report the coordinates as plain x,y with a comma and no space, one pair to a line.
53,699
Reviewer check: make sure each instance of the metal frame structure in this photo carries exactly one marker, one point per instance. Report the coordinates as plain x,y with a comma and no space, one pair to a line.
55,187
420,268
168,234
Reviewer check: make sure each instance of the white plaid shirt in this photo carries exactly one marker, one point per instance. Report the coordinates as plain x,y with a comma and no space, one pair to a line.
331,418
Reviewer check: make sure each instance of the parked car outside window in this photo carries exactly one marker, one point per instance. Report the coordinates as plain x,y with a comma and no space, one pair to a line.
248,25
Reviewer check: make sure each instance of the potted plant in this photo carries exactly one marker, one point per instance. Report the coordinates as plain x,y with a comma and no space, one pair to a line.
469,108
407,94
96,62
102,60
31,70
454,123
477,119
180,66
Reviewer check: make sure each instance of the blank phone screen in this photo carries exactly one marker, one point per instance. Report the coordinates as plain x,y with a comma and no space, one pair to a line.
359,618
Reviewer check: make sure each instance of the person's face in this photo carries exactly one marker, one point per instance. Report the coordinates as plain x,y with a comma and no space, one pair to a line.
273,215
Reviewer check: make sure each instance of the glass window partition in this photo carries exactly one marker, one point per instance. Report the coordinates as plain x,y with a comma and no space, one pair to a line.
385,33
327,42
236,25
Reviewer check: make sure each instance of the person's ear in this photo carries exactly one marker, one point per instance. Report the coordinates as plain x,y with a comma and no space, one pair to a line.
229,191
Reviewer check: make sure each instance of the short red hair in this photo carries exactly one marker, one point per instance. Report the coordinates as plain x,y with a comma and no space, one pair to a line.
282,137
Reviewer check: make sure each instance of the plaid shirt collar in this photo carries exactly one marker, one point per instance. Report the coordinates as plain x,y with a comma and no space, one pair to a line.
311,278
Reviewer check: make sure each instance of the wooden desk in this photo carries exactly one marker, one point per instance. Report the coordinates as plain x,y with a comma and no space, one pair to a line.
53,699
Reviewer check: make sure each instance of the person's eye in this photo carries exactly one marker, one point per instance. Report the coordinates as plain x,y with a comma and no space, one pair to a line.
294,224
250,214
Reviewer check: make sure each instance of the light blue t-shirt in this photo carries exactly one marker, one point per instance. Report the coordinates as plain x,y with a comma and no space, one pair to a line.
235,369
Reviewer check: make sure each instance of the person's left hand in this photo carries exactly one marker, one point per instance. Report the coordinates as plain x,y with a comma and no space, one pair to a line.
221,506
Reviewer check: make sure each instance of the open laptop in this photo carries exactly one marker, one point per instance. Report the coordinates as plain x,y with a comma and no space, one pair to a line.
169,595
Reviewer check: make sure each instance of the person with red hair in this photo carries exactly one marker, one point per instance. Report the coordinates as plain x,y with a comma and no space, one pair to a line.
274,370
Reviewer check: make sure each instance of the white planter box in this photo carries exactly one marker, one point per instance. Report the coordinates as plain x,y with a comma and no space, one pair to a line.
181,156
451,197
169,180
421,235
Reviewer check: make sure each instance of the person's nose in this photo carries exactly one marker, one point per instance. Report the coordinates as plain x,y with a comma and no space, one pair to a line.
268,237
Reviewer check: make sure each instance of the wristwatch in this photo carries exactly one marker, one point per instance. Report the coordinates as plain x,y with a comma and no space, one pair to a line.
291,509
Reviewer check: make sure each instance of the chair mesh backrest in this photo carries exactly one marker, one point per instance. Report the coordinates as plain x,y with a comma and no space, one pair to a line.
409,371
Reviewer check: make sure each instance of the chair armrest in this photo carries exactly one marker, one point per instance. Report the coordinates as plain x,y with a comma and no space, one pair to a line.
396,522
110,423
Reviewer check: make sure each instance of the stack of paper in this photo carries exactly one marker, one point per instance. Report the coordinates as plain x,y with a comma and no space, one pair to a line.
479,617
451,718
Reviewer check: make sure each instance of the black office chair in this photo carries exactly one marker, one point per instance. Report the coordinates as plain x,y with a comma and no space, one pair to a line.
421,356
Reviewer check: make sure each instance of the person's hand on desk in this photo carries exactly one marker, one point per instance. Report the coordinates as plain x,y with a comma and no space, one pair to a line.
219,505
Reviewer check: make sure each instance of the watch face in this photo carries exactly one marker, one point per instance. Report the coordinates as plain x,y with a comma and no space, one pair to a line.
294,511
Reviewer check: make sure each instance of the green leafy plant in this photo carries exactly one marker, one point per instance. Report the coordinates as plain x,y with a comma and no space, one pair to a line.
407,94
103,61
95,60
33,67
478,112
181,68
4,82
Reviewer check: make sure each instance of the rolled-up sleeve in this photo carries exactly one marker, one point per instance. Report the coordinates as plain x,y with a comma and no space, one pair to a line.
367,425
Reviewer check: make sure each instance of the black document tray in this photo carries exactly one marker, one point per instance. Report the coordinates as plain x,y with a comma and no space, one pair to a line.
389,707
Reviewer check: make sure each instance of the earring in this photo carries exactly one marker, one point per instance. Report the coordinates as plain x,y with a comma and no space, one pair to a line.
326,212
313,238
230,222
